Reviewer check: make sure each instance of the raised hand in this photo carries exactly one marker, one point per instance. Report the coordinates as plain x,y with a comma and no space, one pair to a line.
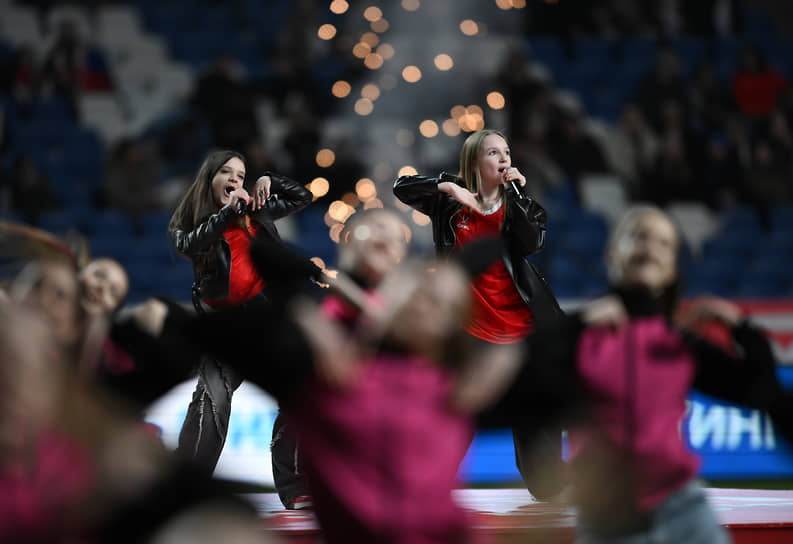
261,191
461,195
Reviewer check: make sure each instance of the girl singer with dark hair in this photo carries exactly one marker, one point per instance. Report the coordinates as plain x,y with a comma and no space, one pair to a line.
213,226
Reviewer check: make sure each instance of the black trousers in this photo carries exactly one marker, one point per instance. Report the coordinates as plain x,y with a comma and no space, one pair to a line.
538,457
206,425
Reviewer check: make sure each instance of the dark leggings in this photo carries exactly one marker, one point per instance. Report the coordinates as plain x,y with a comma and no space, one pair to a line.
538,445
207,422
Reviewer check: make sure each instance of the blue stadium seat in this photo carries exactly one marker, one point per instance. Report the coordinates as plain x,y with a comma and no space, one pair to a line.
690,50
155,224
53,108
109,224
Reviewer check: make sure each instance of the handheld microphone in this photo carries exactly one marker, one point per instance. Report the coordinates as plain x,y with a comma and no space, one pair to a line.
242,207
511,182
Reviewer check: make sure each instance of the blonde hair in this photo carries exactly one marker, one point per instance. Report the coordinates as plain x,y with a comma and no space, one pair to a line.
469,158
623,230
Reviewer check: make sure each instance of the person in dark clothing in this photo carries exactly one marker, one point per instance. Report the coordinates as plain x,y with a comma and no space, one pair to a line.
512,296
213,226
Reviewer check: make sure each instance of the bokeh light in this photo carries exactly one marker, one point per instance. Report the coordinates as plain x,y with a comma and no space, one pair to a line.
319,187
420,219
335,232
496,100
364,106
451,127
371,39
372,13
411,74
385,50
428,128
410,5
443,62
339,211
351,199
401,205
518,4
373,203
339,6
361,49
341,89
504,4
407,171
318,262
370,91
325,158
326,31
473,109
373,61
408,233
469,27
365,189
457,111
379,26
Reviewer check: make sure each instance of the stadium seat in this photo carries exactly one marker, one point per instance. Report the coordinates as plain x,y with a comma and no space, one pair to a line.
696,222
604,195
20,25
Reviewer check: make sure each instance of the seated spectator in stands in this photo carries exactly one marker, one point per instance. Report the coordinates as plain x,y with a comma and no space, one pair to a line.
664,83
632,146
571,147
542,174
72,65
723,175
526,86
671,177
769,180
709,100
755,85
30,190
780,136
224,97
302,137
711,18
132,176
26,78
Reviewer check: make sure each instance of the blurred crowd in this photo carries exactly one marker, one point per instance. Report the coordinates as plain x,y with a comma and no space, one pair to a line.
702,137
680,137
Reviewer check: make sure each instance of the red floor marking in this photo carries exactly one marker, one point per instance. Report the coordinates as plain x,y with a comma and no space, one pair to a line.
753,515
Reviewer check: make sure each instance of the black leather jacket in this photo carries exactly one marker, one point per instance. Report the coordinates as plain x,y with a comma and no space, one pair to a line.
523,231
287,197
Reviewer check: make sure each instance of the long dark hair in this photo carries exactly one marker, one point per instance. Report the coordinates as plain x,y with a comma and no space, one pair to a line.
199,202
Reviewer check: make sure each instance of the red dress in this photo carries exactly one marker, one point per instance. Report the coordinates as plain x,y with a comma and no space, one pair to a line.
499,314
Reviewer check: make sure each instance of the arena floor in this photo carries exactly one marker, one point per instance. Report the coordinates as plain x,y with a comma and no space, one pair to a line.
511,515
